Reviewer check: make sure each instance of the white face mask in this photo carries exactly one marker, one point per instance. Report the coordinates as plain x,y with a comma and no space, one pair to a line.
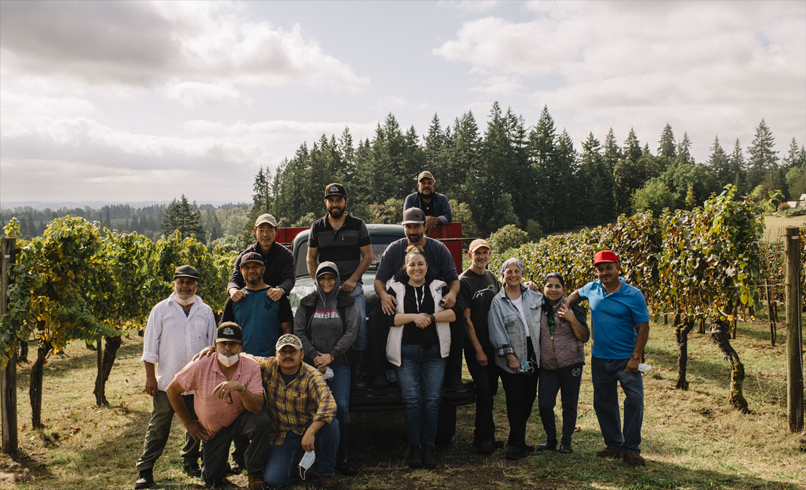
306,462
227,361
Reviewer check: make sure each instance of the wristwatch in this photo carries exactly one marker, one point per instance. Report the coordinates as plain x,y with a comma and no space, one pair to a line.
433,320
243,387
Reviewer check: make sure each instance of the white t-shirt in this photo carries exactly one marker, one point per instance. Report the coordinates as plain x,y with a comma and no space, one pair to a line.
518,304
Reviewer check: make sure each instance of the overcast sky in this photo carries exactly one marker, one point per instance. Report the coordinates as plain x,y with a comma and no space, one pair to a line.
138,101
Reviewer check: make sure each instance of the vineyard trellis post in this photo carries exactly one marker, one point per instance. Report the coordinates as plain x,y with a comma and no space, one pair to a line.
794,339
8,382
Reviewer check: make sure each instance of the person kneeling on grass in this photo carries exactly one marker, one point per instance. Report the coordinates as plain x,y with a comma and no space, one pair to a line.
228,403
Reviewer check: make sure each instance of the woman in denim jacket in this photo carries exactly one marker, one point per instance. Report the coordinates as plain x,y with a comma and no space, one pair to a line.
514,322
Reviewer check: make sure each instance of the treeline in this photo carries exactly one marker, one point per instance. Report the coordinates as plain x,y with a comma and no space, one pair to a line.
535,177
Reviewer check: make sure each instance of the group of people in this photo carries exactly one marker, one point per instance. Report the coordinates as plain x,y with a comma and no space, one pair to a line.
275,385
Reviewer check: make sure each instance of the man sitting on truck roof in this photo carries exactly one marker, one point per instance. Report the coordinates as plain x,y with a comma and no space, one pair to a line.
279,261
436,207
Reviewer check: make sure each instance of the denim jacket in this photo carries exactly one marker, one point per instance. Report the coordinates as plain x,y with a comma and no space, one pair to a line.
442,208
506,327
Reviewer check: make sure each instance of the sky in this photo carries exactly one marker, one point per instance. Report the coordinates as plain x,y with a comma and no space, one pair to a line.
123,101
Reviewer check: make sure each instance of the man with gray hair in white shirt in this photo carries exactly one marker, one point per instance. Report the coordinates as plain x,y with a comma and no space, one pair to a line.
178,327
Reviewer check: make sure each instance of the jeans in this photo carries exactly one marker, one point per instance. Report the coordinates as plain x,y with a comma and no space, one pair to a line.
520,390
486,381
159,428
420,378
606,374
281,458
214,452
361,301
339,385
568,382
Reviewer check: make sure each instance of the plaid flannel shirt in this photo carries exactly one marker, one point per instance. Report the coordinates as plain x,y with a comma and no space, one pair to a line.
305,399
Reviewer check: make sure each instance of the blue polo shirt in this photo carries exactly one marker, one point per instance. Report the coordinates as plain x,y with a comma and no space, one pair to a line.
260,317
614,317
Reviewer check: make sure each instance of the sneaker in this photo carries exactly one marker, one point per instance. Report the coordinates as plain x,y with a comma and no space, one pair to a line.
428,457
145,479
192,470
328,481
486,447
634,459
236,468
565,449
415,456
547,446
609,452
256,482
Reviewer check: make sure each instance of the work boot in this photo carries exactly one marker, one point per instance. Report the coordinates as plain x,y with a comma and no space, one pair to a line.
256,482
358,382
415,456
609,452
379,382
192,470
342,463
145,479
328,481
634,458
428,457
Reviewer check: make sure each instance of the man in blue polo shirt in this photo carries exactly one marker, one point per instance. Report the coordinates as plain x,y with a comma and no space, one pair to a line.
263,321
620,325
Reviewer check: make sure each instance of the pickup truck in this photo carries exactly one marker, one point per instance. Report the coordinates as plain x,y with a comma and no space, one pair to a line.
381,236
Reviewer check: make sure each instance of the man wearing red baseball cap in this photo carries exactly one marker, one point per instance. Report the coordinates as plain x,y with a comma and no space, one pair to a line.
620,325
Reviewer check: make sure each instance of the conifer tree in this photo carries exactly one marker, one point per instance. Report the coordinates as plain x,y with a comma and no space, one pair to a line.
763,156
684,150
180,215
632,147
720,164
611,152
667,146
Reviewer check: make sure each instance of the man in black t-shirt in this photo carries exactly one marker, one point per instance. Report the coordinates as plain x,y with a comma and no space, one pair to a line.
477,288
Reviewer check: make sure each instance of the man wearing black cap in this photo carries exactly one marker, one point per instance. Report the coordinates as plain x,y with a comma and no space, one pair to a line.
263,321
344,240
279,271
229,403
435,205
178,327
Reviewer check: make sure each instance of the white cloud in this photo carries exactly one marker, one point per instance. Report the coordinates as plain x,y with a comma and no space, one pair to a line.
390,102
471,6
148,44
198,93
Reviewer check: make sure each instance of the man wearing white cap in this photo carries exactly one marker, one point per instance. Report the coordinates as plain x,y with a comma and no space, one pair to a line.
436,207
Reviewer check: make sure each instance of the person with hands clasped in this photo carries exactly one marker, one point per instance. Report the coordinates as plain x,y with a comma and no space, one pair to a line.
563,333
228,402
514,323
177,328
620,326
327,323
418,345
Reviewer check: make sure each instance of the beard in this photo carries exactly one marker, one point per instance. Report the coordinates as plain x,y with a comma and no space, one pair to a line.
253,281
336,212
414,237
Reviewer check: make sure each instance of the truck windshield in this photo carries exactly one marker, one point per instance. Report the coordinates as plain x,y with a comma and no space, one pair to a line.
379,244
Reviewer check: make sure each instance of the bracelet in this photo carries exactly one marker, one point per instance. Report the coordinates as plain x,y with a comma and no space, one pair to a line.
634,356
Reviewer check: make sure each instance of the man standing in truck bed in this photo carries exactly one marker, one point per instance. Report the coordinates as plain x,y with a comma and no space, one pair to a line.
436,207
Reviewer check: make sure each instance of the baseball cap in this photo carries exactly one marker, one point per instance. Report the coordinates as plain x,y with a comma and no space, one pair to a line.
413,216
336,189
266,218
229,332
288,339
478,243
186,271
252,257
605,256
425,174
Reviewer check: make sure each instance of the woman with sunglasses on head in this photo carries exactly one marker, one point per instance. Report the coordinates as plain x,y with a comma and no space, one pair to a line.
514,323
563,333
418,344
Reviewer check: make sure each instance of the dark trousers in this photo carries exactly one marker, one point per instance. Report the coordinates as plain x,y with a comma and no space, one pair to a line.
567,382
520,390
254,427
486,381
159,428
454,366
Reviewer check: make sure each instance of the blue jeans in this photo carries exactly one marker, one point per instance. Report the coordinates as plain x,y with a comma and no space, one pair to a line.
566,381
606,375
361,301
420,378
282,458
339,385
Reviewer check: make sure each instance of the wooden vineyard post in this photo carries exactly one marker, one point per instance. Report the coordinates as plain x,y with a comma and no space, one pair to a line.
794,337
8,382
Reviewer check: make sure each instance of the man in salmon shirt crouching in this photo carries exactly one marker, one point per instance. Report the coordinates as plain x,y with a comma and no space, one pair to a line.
229,402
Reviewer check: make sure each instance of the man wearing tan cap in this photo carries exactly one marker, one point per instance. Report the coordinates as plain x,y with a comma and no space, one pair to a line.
435,205
279,262
477,288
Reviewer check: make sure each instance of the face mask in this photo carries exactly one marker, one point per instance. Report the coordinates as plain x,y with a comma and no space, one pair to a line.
306,463
183,302
227,361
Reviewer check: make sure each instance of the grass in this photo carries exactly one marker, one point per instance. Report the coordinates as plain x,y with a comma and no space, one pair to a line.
691,439
775,225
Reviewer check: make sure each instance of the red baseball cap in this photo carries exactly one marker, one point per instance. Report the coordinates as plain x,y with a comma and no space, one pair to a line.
605,256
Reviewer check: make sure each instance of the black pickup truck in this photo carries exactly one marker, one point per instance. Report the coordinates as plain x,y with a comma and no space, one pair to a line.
371,399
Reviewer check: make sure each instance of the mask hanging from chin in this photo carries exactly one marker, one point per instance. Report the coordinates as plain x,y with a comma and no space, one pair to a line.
227,361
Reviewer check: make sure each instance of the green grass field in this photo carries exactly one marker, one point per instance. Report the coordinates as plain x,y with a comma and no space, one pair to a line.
692,439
